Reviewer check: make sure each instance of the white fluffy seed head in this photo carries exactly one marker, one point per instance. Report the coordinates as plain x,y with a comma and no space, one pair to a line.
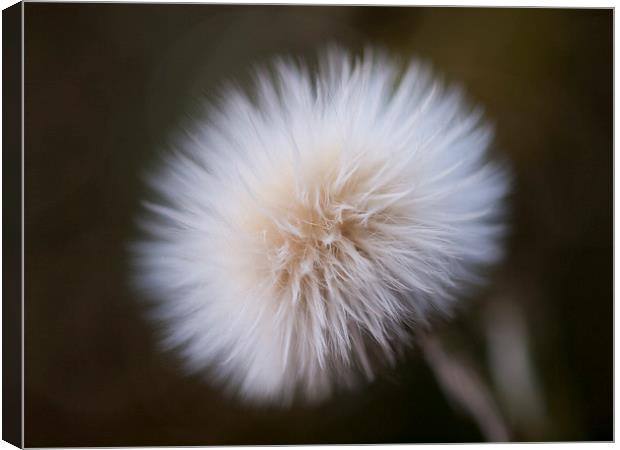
303,232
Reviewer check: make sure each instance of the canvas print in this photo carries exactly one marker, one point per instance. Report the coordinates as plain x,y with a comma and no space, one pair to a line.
286,224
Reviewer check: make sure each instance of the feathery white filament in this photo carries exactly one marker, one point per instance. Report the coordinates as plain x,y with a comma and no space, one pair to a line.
304,231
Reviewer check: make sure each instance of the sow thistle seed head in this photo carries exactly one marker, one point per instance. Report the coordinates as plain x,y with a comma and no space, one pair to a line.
306,232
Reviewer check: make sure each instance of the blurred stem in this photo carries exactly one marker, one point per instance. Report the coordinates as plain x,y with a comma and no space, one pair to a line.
461,384
512,367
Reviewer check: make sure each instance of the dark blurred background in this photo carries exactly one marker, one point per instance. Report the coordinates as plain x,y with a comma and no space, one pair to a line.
107,85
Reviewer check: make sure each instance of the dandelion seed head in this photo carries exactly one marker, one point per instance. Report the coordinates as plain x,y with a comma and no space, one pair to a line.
303,233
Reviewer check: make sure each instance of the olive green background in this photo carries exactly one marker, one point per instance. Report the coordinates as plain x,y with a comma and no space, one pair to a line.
107,86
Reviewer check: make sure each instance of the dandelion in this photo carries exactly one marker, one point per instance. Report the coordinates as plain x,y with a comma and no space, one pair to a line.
306,230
